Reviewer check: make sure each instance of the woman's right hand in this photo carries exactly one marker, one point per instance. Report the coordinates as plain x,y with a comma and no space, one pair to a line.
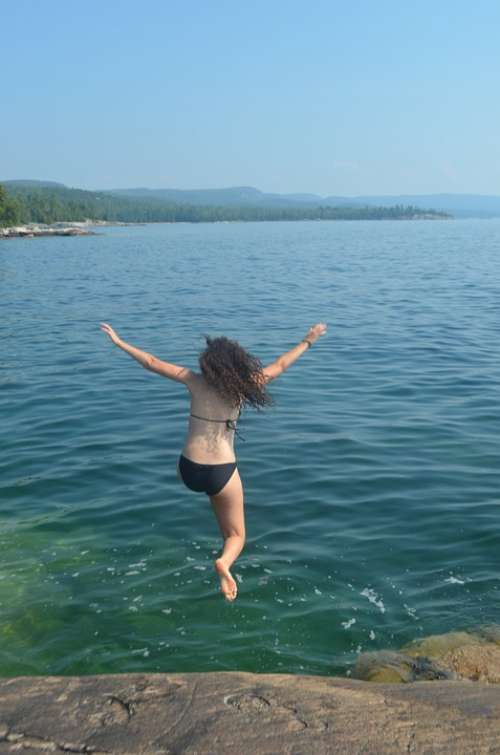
315,331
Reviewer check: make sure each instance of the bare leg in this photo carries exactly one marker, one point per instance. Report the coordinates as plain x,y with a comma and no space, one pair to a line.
228,509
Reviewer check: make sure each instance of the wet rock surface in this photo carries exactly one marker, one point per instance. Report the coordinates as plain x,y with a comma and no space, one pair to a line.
240,713
473,655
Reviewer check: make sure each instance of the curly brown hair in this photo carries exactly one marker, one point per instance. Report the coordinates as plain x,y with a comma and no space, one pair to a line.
234,373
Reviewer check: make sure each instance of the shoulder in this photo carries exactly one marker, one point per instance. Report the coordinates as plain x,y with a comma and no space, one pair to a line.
194,381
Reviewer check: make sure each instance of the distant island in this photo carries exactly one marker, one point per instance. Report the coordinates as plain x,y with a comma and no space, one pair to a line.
25,202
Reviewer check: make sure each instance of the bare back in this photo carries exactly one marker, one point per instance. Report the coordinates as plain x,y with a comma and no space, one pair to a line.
209,442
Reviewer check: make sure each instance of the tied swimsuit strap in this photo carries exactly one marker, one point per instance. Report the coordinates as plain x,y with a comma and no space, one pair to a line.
230,423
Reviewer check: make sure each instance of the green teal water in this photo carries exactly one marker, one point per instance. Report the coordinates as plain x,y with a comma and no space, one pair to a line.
372,486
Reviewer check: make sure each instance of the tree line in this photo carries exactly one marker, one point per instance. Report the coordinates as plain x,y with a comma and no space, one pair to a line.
28,204
10,209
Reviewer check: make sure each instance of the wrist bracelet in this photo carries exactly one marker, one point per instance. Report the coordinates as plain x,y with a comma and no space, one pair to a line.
306,340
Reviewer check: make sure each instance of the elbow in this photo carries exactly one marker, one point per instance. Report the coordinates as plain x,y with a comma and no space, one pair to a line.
277,369
281,366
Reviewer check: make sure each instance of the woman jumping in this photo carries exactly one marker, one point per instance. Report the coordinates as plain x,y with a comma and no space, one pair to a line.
230,378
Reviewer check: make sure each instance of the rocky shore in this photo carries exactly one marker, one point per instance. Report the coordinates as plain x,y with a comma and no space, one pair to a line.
32,230
452,707
76,228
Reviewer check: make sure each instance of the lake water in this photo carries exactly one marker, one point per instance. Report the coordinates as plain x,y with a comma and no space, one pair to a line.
372,486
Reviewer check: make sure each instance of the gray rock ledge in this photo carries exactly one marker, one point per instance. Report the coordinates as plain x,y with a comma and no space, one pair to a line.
245,714
35,230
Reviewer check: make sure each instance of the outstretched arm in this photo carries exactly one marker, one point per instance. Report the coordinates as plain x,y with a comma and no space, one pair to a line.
148,361
283,362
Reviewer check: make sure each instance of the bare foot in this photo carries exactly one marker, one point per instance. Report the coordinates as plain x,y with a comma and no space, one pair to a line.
227,583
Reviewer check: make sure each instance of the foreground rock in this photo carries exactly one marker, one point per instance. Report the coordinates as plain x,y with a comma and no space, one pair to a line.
245,714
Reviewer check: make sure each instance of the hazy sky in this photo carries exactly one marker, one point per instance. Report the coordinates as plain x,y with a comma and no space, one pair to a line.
330,97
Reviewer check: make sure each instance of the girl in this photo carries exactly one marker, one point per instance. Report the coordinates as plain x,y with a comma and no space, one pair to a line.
229,379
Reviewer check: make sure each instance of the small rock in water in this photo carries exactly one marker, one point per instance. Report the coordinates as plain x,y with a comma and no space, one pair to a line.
473,655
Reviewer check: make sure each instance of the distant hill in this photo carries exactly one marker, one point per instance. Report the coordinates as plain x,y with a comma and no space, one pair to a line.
27,184
41,202
238,196
460,205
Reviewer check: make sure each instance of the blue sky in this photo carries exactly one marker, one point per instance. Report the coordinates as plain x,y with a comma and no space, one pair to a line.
332,97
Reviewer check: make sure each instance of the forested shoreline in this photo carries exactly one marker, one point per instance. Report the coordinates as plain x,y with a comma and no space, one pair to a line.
50,204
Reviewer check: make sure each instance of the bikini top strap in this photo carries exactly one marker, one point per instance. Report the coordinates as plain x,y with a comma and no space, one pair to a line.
230,423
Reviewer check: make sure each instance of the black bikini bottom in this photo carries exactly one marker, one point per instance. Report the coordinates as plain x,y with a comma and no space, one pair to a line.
205,478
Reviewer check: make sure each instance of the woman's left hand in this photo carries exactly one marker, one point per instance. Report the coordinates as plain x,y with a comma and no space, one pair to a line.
110,332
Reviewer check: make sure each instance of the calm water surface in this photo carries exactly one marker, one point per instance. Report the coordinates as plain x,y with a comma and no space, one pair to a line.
372,486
